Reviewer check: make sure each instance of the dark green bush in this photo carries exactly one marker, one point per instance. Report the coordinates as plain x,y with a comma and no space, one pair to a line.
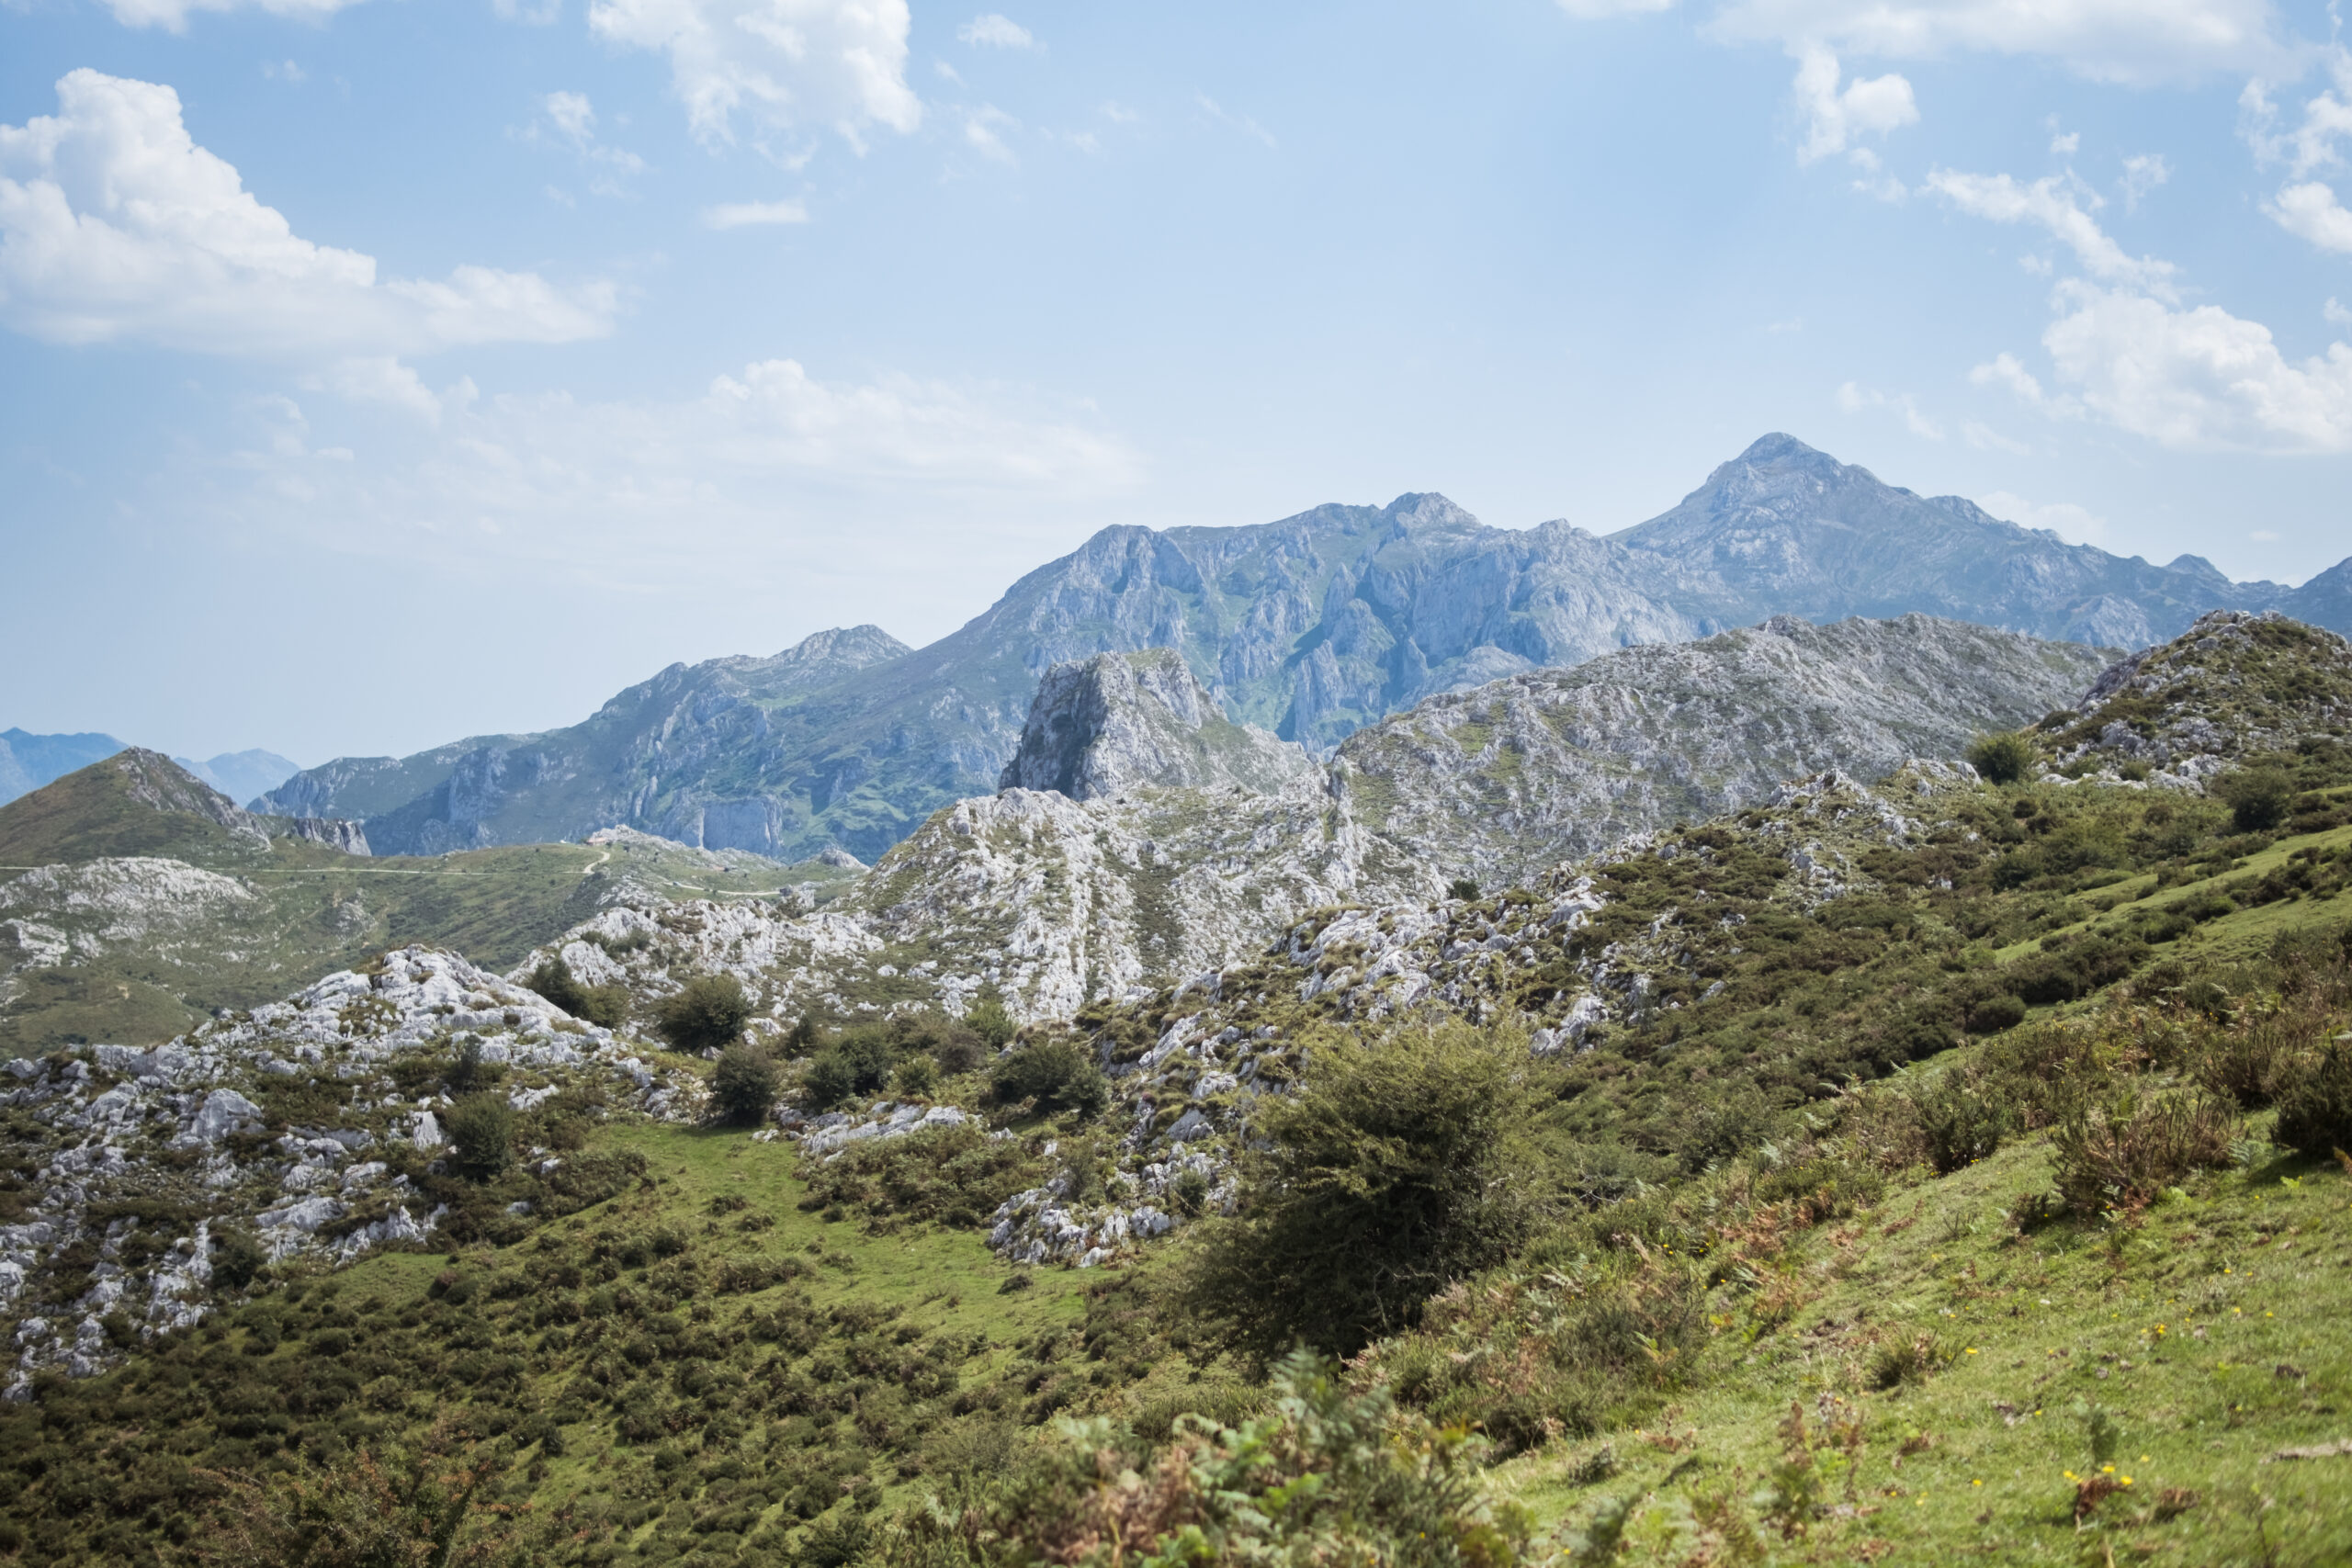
2313,1093
2258,798
1056,1073
481,1131
986,1018
2002,758
857,1062
743,1087
1399,1168
1464,888
603,1005
708,1013
1991,1015
1960,1121
237,1258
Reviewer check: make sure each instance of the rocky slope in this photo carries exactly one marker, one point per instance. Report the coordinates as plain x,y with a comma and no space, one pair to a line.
1084,879
135,1168
1503,781
2231,686
151,900
1311,627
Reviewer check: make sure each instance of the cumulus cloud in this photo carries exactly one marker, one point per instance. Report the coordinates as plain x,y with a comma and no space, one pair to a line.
774,65
982,129
2118,41
1833,117
990,30
749,214
2336,314
2312,144
2050,203
115,226
2310,211
2197,379
2075,524
554,477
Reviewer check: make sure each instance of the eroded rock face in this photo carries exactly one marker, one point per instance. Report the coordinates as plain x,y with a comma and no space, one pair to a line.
1126,721
1502,783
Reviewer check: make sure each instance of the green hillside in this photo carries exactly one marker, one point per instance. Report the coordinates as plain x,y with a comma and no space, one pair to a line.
1938,1169
134,900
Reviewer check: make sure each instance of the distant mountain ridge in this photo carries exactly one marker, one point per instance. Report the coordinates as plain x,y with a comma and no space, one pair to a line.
28,762
1312,627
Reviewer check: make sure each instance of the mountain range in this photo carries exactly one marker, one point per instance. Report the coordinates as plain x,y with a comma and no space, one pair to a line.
1311,627
28,762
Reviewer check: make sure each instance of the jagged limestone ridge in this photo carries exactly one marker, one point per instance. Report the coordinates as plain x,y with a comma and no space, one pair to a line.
1503,781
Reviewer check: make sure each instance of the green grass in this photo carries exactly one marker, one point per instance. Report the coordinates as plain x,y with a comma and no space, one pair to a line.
2217,1333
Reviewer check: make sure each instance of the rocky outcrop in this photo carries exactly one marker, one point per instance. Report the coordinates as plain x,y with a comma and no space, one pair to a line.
1310,627
1504,782
326,1194
2231,686
1124,721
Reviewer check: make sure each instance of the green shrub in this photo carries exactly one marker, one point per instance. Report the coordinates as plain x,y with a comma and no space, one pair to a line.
1464,888
1961,1122
468,1072
1325,1476
708,1013
2258,798
917,1077
986,1018
2123,1153
858,1062
1991,1015
2315,1099
1399,1168
2002,758
605,1005
237,1260
743,1087
481,1131
1056,1074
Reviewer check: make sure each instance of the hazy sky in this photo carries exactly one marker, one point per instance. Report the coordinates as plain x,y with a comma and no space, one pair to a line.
382,372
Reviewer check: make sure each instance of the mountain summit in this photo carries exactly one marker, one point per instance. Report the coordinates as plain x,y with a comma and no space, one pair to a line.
1312,627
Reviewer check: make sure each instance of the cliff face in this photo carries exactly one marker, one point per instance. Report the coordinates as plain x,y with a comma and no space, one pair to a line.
1121,721
1504,782
1311,628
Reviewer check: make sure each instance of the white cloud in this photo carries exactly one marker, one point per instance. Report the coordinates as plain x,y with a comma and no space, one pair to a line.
2142,175
380,379
1240,122
2310,211
2050,203
2067,145
1594,10
2335,313
1833,117
2327,118
2075,524
2006,371
779,64
981,128
2264,535
2120,41
172,15
116,226
2197,379
990,30
573,121
284,71
1853,398
555,479
1118,113
748,214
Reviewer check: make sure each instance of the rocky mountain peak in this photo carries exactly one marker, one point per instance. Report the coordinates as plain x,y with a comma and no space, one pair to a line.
1119,721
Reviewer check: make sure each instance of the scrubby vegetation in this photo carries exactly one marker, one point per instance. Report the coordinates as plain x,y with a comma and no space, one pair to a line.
707,1014
1972,1188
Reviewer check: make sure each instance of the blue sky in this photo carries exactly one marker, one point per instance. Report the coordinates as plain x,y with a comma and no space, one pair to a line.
376,372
